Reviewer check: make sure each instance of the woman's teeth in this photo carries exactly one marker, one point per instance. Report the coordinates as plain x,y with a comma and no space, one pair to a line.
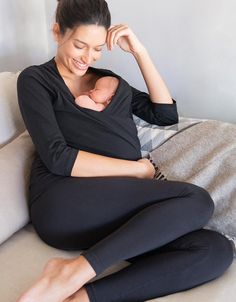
80,65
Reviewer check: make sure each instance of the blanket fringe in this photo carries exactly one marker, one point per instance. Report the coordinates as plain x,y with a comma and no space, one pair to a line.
158,174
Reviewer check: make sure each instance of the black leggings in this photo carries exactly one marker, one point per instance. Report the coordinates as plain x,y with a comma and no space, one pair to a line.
153,224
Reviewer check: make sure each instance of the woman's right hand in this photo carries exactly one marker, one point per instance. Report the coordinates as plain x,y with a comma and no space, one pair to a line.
147,170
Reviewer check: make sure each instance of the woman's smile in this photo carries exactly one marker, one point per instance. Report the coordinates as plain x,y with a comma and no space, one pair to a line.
80,65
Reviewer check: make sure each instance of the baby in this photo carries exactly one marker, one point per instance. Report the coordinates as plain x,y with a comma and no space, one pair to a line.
99,97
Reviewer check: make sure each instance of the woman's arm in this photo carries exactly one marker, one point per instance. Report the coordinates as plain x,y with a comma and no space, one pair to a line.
90,165
126,39
156,87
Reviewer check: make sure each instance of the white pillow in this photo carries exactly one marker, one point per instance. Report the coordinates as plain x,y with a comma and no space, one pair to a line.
11,122
15,162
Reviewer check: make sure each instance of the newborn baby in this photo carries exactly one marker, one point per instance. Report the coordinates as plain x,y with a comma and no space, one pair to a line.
99,97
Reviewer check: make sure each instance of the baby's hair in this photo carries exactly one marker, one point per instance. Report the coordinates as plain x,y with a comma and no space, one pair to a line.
73,13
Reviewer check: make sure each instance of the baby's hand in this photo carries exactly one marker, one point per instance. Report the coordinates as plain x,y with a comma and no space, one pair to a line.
85,102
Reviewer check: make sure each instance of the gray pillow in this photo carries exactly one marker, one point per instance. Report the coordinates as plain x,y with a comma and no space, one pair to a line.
153,136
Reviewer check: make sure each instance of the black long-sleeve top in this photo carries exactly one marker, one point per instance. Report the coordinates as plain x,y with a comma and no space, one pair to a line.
60,128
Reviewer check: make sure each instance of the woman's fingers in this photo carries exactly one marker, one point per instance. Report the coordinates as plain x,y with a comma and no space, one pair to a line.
122,35
110,36
114,33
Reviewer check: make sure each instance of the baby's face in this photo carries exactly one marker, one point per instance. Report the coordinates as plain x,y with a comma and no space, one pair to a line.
103,90
100,95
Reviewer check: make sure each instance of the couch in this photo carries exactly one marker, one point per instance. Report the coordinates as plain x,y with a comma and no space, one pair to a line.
22,253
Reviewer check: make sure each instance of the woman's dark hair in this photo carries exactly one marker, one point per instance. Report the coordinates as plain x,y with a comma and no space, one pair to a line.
72,13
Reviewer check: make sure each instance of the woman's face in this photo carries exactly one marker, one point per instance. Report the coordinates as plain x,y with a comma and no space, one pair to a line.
80,48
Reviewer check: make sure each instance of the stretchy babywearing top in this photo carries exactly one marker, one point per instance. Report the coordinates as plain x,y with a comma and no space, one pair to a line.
60,128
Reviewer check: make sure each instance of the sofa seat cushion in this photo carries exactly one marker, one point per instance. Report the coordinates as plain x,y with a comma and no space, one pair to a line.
24,255
22,259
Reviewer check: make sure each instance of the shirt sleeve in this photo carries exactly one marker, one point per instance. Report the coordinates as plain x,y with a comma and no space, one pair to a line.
153,113
35,102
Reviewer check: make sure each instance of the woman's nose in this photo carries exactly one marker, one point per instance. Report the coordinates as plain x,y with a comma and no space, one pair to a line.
87,58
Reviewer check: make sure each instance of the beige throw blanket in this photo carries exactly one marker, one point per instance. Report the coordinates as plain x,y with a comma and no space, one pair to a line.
205,155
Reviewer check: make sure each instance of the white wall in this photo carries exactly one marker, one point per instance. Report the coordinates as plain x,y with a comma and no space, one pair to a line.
23,36
192,43
50,8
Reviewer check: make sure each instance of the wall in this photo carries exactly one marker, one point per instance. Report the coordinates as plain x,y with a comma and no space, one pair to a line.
50,7
23,36
192,44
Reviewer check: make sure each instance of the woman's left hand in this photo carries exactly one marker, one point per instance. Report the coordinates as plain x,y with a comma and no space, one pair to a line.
123,36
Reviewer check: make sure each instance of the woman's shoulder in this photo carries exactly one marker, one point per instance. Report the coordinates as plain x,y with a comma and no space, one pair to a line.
43,73
27,76
41,77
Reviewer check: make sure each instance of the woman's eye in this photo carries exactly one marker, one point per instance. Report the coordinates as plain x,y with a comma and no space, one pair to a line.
100,49
78,47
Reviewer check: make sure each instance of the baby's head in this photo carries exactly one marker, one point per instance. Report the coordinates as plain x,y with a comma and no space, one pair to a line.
104,89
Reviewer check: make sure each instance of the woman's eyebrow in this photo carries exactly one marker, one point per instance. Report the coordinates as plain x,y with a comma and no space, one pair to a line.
86,43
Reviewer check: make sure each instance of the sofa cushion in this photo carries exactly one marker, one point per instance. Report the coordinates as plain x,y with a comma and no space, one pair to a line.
153,136
22,259
24,256
11,122
15,161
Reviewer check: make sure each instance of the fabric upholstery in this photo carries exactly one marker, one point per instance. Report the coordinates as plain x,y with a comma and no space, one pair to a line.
15,160
24,256
11,122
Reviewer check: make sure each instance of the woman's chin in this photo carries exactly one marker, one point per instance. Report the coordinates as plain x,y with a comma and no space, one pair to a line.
78,72
78,69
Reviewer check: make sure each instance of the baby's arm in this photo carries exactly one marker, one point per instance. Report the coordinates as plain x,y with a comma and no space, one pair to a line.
86,102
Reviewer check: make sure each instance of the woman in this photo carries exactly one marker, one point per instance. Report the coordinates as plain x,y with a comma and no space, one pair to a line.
89,187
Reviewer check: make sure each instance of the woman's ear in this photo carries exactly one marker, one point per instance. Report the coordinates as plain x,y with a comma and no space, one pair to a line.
56,31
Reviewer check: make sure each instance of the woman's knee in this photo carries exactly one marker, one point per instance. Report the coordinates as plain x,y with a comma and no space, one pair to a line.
219,251
211,254
200,202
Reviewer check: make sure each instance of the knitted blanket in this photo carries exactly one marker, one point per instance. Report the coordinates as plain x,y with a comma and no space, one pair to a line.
205,154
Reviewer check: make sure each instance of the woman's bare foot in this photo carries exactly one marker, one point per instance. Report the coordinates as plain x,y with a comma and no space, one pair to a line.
60,279
80,296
